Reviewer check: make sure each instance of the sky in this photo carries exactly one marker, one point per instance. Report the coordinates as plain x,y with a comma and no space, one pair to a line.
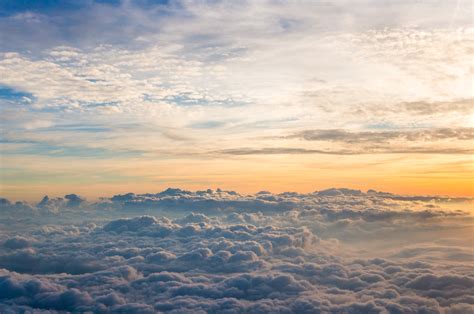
106,97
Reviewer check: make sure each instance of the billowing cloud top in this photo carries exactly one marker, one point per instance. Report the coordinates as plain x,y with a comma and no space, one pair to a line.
331,251
201,94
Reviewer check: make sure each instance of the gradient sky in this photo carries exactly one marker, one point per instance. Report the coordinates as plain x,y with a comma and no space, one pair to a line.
106,97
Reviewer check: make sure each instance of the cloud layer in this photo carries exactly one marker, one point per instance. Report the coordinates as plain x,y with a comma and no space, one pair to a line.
331,251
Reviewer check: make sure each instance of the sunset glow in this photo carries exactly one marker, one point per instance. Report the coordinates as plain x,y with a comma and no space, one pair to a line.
311,95
249,156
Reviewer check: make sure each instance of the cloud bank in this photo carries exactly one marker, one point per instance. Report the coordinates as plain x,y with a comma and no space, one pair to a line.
331,251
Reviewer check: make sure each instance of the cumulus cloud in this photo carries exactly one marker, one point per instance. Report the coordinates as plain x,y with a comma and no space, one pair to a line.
336,250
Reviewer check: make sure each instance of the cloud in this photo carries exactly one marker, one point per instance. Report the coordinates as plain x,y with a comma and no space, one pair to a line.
377,137
69,201
420,107
17,242
350,142
370,150
336,250
179,73
463,106
277,151
73,200
41,294
249,208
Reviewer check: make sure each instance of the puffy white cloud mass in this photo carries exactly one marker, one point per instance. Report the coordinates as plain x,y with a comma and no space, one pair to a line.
331,251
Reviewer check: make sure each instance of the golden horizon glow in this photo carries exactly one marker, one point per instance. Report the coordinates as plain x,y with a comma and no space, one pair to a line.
423,175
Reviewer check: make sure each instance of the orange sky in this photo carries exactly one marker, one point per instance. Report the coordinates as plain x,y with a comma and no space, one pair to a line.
413,175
